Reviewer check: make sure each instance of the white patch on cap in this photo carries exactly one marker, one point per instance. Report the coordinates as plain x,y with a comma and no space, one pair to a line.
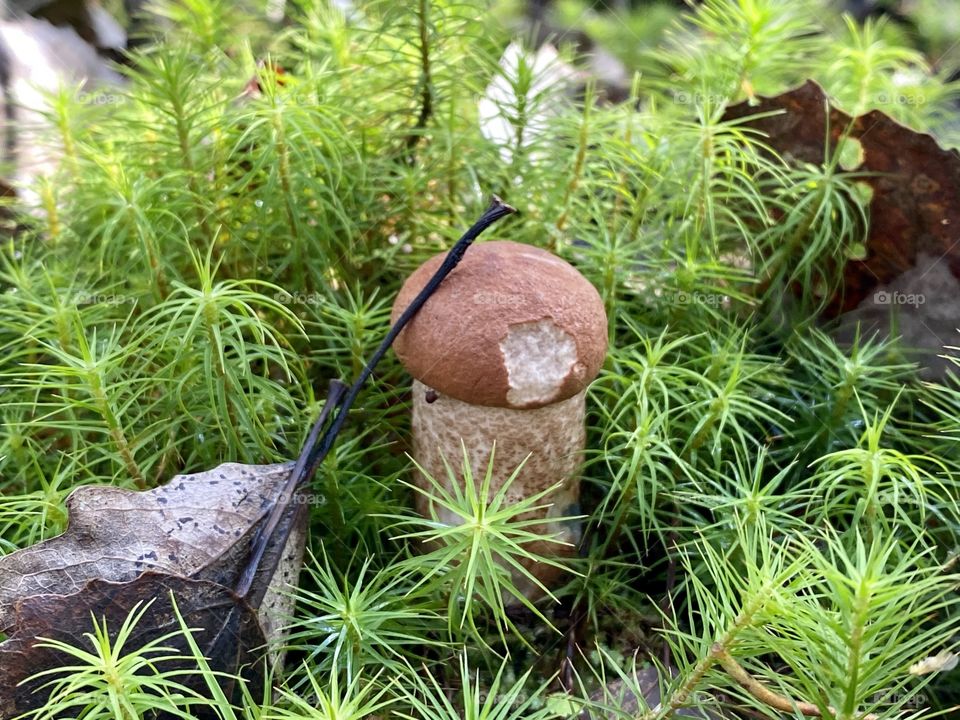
538,356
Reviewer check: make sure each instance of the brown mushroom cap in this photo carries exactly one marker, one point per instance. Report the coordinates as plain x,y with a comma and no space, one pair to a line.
512,326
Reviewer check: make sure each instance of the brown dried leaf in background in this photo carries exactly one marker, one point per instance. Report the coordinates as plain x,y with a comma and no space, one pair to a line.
915,208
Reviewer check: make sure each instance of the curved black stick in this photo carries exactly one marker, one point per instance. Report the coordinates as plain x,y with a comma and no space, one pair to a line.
494,212
279,506
314,452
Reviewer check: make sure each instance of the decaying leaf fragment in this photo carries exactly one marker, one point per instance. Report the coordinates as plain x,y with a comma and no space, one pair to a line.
914,210
943,661
223,625
191,535
196,526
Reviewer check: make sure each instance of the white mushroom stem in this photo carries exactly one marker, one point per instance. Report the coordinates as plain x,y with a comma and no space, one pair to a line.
553,436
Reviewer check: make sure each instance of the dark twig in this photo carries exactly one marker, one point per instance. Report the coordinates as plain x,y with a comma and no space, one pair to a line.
314,450
426,82
494,212
575,629
259,546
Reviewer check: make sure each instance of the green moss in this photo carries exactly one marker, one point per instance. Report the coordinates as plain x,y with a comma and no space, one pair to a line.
208,259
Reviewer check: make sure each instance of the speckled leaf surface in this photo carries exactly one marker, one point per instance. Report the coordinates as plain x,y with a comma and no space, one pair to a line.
196,531
197,526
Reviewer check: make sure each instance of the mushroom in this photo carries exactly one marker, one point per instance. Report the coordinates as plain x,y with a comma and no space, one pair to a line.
503,353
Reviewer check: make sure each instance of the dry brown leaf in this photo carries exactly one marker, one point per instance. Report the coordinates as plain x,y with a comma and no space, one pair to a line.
195,532
223,626
915,208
